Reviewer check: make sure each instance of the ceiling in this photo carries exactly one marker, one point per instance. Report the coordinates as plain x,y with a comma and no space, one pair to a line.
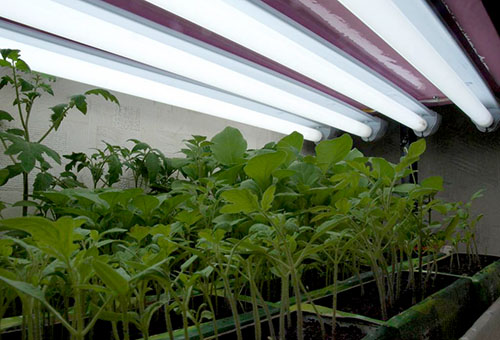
468,20
373,71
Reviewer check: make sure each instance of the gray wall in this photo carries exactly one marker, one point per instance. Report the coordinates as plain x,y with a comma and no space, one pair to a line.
162,126
466,158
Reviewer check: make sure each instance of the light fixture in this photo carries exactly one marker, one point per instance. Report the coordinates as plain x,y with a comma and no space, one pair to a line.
413,29
262,29
106,27
58,57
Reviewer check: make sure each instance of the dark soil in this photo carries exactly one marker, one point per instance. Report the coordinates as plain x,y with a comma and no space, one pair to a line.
462,264
312,330
368,304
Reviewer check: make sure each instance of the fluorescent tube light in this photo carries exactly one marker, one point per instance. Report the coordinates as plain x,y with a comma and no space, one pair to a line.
264,30
108,28
68,60
414,31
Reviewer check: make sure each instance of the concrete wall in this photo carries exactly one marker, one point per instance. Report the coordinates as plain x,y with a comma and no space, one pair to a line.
162,126
466,158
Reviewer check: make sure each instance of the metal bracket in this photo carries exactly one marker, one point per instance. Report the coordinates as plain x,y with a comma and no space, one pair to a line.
495,112
433,122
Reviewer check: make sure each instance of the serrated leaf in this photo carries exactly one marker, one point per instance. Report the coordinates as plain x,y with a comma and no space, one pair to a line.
229,146
22,66
28,153
25,86
58,114
105,94
241,200
43,181
80,101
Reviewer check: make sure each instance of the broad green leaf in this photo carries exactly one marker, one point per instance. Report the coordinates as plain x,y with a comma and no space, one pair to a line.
268,198
261,167
291,145
241,200
382,168
229,146
139,232
417,148
146,204
114,169
153,164
25,288
4,176
305,173
4,115
330,152
111,278
434,182
405,188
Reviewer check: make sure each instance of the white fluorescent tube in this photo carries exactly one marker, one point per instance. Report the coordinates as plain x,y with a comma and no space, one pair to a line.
260,28
99,25
416,33
71,62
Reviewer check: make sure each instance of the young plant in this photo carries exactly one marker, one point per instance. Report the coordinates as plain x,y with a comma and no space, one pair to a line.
26,151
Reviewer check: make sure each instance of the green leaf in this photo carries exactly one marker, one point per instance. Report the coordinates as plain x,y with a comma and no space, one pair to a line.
43,181
105,94
153,163
331,152
305,173
27,152
58,115
17,132
111,278
139,232
229,146
268,198
417,148
22,66
146,204
261,167
54,238
25,86
434,182
242,200
4,115
291,145
405,188
80,101
4,176
25,288
12,171
382,168
114,169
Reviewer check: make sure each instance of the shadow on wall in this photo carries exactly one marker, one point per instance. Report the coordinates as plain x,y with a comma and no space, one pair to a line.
466,158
